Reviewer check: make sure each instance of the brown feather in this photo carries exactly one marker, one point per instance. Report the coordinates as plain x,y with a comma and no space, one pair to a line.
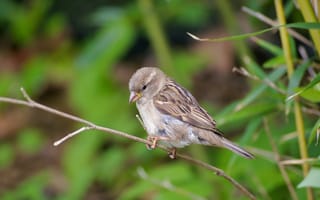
179,103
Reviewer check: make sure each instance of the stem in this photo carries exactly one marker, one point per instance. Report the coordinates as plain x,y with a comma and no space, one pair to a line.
156,35
309,16
297,109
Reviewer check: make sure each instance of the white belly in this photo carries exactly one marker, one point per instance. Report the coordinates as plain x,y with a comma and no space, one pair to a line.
150,117
178,133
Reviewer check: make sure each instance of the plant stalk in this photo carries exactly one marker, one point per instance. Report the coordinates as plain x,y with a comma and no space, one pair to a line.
156,34
297,109
310,16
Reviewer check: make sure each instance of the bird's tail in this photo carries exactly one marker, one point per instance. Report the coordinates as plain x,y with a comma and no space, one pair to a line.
233,147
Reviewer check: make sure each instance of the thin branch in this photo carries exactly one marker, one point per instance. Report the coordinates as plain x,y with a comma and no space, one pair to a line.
311,111
299,161
280,165
91,126
268,82
274,23
71,135
197,38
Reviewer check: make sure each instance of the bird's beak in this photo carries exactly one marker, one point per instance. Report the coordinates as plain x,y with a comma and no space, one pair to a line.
134,96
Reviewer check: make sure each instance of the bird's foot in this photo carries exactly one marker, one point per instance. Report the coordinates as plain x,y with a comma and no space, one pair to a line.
172,153
154,140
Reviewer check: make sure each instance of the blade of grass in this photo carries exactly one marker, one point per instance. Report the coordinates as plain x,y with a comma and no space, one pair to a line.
298,25
315,133
255,93
314,81
294,82
274,49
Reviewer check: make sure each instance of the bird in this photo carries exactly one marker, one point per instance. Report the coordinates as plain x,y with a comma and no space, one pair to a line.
172,116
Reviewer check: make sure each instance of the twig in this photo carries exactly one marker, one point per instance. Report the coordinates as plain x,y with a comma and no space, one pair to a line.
311,111
197,38
141,122
299,161
30,103
273,23
72,134
278,160
244,72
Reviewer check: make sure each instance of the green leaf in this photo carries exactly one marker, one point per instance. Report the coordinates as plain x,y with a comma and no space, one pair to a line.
106,46
255,93
314,81
312,179
253,67
248,112
247,35
312,95
296,77
251,128
315,132
274,62
274,49
294,82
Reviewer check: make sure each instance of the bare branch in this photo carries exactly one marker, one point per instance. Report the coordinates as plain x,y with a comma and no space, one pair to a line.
72,134
268,82
197,38
273,23
91,126
299,161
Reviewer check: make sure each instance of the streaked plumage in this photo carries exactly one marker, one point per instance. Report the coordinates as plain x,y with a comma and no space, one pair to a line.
172,115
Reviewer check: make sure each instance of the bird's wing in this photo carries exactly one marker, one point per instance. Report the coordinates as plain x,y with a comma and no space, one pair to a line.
177,102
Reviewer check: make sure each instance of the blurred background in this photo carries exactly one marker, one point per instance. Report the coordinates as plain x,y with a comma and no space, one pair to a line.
77,57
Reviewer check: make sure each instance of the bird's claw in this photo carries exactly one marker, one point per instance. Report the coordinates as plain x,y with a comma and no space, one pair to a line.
154,141
172,153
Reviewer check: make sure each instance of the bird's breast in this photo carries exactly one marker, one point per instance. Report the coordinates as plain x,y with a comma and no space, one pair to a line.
150,117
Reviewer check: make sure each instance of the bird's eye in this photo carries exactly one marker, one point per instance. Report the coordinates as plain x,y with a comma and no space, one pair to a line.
144,87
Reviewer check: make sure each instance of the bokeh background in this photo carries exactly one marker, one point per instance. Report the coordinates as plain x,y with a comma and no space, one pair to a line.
77,56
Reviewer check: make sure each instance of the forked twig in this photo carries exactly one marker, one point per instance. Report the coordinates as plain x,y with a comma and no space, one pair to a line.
91,126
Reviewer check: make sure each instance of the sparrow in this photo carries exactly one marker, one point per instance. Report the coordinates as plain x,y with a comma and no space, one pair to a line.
171,114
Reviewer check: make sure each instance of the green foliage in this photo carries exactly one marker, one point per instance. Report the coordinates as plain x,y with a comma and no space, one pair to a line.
29,189
91,72
26,20
6,155
30,140
312,179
